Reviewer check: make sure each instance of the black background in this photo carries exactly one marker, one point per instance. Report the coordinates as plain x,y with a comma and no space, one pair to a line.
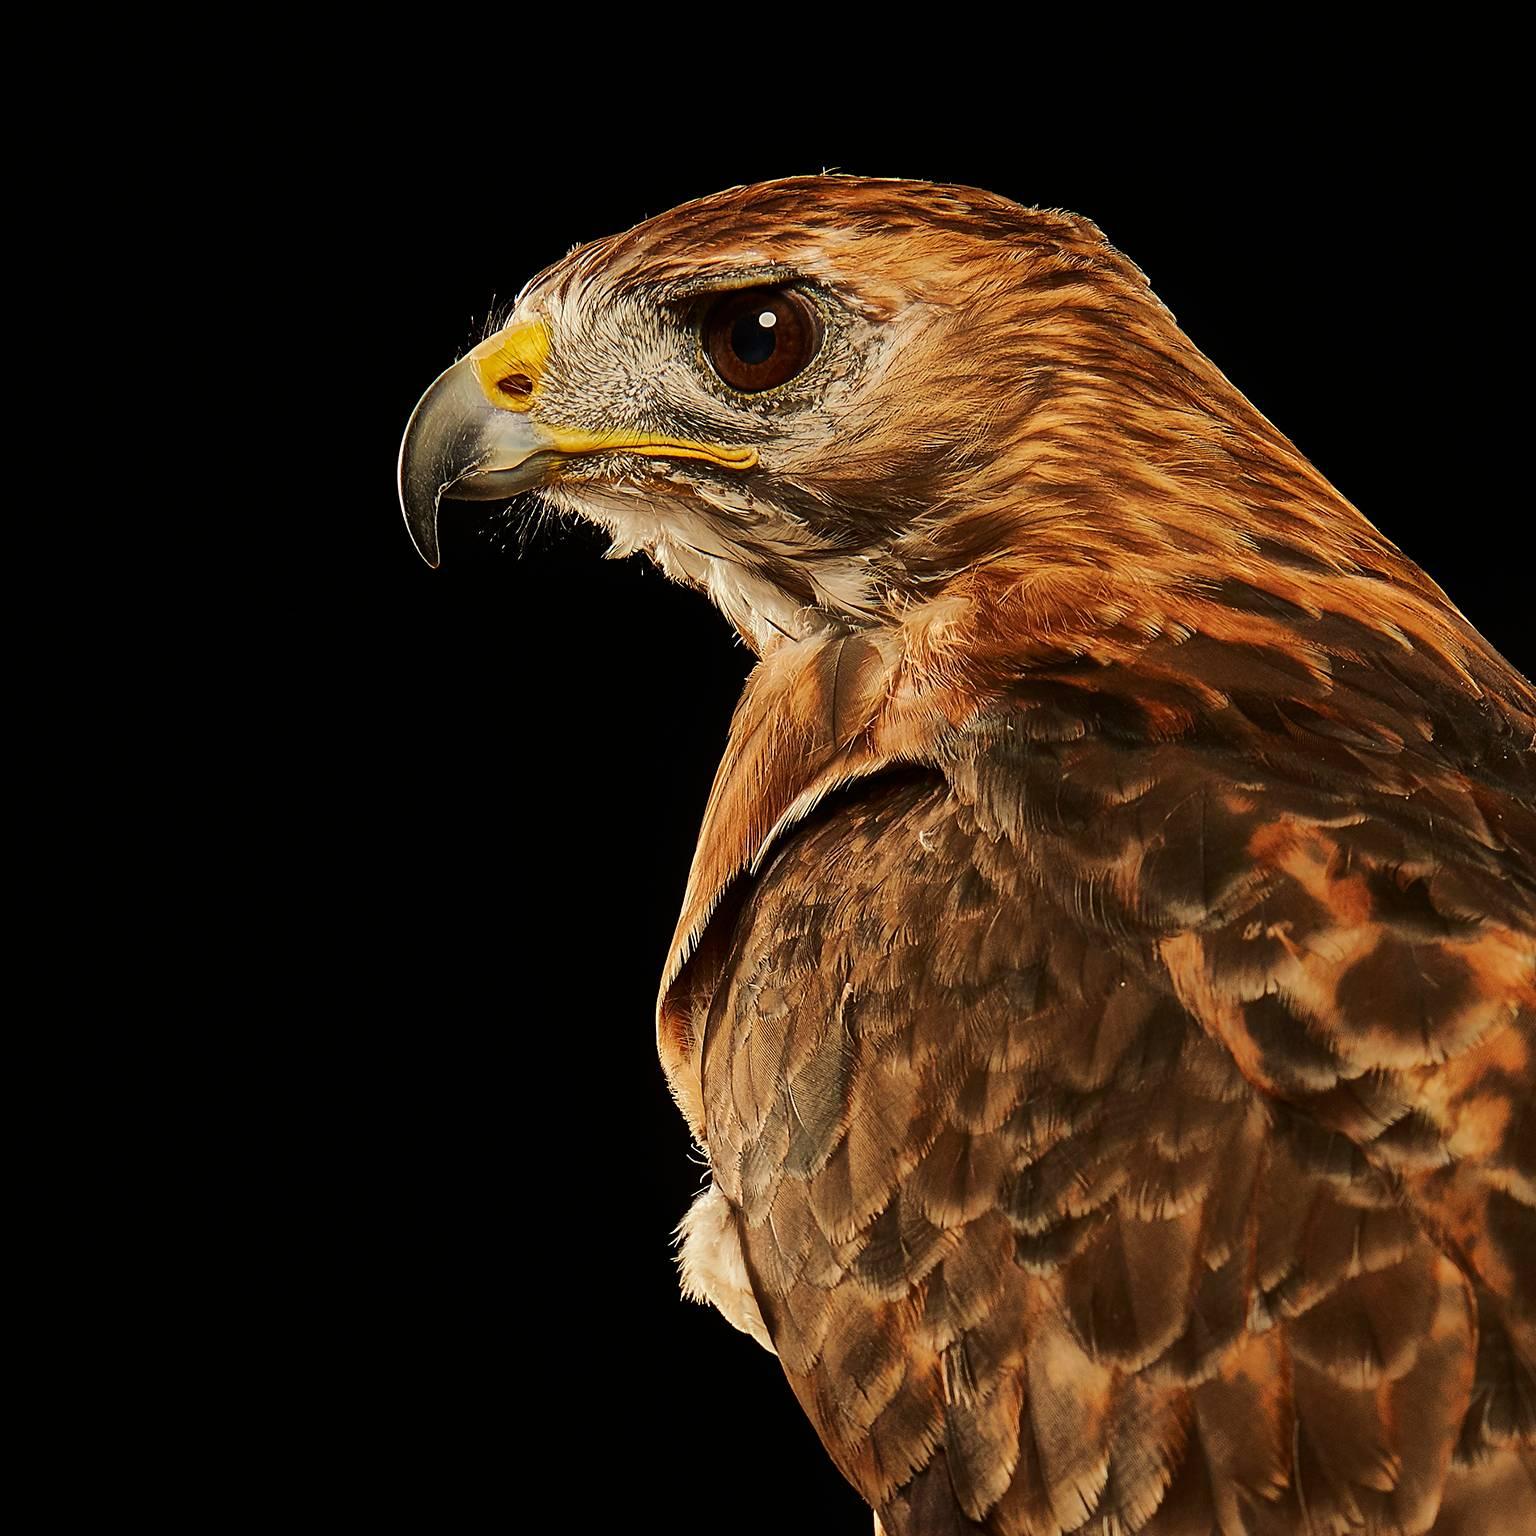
417,1262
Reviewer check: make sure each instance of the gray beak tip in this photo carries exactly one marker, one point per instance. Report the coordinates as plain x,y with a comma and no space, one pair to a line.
421,524
423,532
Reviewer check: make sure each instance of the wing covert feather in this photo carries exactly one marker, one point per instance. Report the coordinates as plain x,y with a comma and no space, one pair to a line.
1039,1247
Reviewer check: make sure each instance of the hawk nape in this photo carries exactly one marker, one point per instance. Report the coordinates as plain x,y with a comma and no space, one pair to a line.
1106,987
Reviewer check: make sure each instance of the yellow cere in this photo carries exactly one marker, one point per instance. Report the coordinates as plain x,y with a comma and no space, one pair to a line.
509,364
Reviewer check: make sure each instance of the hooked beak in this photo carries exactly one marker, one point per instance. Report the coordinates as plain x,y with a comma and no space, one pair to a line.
474,435
456,445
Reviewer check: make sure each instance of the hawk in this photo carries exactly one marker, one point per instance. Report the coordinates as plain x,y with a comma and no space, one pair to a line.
1105,991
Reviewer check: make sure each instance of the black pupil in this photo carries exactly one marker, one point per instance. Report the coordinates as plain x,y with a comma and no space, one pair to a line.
751,340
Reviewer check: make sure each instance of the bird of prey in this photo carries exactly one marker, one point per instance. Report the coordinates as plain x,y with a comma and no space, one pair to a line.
1106,987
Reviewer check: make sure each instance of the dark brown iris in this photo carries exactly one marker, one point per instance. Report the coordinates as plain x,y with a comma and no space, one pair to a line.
761,337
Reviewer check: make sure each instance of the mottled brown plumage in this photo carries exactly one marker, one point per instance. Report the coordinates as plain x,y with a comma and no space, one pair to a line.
1106,990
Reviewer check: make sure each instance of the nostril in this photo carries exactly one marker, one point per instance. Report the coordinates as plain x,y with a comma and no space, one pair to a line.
518,386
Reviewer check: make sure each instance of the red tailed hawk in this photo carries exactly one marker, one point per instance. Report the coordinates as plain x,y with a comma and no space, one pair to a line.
1106,988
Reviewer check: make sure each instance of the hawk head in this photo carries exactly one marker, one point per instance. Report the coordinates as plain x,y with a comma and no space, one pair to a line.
828,401
782,393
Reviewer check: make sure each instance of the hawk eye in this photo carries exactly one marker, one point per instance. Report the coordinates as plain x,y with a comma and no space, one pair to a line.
760,337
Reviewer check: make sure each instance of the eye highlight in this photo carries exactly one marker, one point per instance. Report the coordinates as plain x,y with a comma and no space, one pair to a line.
760,337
